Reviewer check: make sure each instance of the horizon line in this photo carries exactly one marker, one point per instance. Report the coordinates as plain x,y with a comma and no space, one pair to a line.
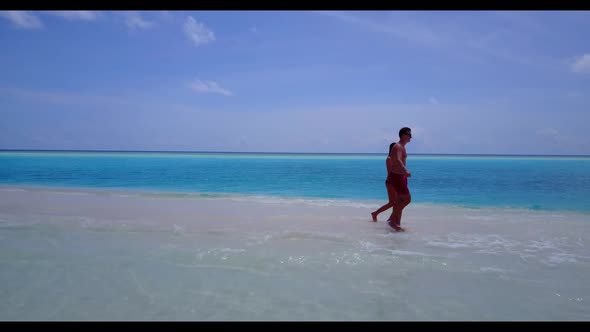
294,153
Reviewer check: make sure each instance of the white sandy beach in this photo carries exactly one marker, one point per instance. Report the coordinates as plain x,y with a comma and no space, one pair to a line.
73,254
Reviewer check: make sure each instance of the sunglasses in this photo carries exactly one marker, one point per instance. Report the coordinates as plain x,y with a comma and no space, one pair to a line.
408,135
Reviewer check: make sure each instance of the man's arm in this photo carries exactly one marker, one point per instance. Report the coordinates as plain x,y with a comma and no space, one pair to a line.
400,164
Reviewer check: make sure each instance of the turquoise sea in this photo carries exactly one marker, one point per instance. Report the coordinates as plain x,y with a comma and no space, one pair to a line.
530,182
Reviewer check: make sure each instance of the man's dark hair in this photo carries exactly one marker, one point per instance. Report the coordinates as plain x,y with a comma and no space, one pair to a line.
404,130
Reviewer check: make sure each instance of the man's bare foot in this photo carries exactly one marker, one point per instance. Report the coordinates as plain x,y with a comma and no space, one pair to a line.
396,227
374,216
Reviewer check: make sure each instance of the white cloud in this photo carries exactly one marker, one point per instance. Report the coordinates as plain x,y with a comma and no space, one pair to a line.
574,94
59,98
22,19
581,64
548,132
166,15
84,15
524,21
134,21
209,87
446,37
403,29
197,32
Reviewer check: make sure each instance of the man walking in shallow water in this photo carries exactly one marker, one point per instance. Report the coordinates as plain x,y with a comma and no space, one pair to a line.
397,178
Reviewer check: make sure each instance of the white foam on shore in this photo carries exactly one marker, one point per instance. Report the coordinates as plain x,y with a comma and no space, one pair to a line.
8,189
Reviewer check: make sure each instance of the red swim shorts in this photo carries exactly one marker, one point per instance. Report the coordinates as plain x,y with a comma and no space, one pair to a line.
399,183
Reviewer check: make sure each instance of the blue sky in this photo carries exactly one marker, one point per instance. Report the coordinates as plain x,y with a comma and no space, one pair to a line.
302,81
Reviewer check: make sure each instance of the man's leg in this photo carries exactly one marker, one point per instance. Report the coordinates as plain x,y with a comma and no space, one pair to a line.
396,218
392,195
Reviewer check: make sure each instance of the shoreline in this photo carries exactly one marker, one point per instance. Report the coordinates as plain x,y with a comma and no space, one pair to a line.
370,204
358,205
